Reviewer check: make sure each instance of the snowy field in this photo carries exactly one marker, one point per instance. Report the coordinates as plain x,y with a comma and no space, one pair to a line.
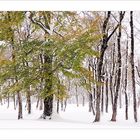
73,117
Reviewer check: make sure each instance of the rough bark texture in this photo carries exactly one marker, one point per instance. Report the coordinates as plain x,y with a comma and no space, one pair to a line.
132,66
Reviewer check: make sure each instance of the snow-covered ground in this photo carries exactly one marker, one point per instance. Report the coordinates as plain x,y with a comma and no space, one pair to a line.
73,117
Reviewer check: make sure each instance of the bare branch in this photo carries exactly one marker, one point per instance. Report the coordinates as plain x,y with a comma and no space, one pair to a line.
122,16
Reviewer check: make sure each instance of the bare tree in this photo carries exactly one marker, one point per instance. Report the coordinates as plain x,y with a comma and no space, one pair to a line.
125,84
133,67
106,37
119,70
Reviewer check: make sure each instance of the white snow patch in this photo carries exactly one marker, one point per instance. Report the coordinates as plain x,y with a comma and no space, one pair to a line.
73,117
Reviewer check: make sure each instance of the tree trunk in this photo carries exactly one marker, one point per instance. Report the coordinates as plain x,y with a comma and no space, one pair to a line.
28,102
62,106
120,98
125,86
114,114
14,101
104,46
47,65
1,100
65,104
8,97
91,108
41,104
106,103
102,98
111,91
37,103
132,66
100,63
94,88
111,76
83,100
90,102
8,101
48,100
102,91
48,106
19,106
58,105
77,100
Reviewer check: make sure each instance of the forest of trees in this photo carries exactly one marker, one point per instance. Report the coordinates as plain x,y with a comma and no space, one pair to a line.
56,58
